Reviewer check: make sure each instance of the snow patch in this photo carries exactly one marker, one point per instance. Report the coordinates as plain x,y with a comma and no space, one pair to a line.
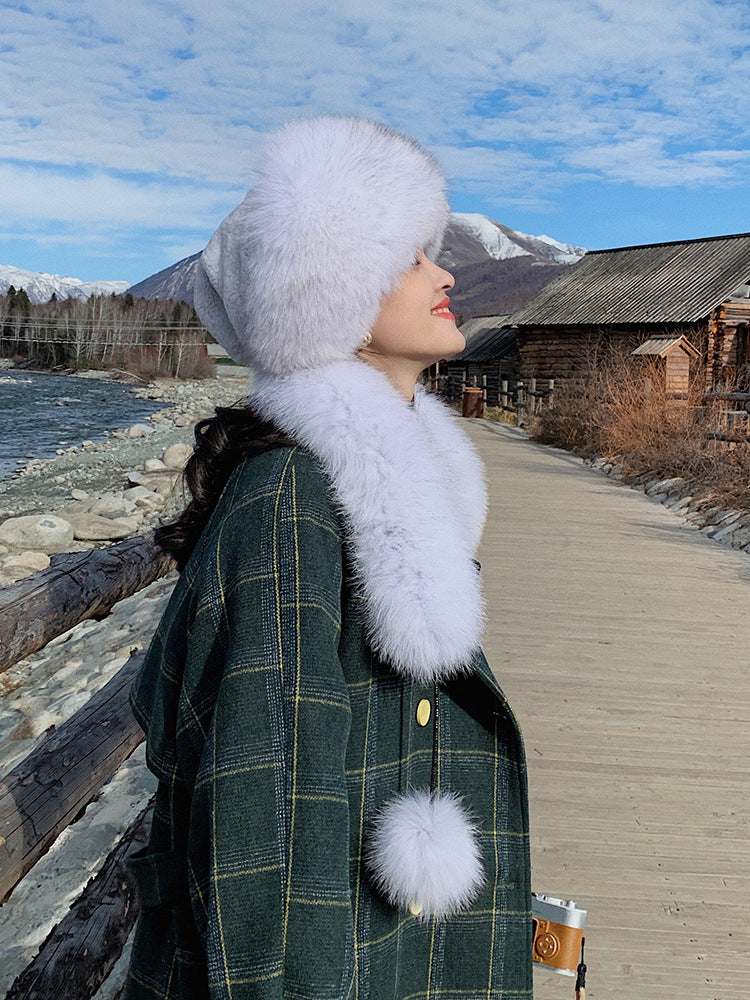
502,243
568,252
493,239
40,286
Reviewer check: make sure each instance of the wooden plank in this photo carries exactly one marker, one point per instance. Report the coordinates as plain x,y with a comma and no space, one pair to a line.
80,951
47,790
617,632
76,586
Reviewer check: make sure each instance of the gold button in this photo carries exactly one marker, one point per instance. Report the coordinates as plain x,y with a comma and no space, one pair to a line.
424,710
415,908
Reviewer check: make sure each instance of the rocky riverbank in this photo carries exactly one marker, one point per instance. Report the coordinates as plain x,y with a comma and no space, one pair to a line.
115,488
93,493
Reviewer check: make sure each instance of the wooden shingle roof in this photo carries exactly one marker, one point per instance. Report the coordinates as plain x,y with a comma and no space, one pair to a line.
661,347
680,282
488,338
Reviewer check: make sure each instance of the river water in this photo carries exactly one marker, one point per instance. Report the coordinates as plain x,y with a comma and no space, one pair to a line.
40,413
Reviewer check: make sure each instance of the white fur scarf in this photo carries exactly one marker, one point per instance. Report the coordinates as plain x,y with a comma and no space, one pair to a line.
412,492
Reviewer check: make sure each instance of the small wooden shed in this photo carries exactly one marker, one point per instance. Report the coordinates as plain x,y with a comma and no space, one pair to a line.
672,358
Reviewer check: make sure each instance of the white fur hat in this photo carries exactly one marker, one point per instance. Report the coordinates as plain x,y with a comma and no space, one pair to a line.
293,278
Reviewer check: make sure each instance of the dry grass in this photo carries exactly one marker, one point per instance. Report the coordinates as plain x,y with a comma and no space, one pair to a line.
499,415
621,413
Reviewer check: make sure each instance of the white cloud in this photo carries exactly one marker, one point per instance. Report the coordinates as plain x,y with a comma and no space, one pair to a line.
644,161
162,103
99,198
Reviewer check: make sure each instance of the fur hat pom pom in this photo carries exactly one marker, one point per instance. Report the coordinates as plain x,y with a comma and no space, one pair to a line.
423,854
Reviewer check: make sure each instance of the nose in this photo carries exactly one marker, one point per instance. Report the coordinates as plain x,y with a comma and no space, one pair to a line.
444,278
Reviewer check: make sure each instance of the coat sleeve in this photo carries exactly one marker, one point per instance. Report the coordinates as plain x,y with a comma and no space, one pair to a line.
269,838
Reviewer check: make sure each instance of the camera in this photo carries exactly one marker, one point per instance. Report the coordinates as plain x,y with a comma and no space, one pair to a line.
558,932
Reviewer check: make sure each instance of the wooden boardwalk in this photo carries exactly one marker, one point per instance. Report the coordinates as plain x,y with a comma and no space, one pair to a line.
621,636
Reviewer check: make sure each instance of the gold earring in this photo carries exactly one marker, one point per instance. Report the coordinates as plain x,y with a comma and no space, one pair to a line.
366,341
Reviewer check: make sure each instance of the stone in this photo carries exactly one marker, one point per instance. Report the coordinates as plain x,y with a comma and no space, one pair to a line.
144,497
140,430
135,477
31,559
79,494
153,465
111,505
719,534
712,515
162,483
94,528
730,516
41,532
176,455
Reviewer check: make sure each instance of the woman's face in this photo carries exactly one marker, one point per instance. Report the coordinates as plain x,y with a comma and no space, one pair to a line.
415,324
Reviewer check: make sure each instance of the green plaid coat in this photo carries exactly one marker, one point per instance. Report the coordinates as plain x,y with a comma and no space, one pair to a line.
275,735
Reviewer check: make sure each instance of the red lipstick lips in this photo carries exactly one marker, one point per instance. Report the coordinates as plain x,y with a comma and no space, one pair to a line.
442,310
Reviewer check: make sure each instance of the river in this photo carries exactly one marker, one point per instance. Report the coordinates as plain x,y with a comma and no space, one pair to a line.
40,413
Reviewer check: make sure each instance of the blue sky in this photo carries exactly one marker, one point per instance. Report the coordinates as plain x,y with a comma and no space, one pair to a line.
129,129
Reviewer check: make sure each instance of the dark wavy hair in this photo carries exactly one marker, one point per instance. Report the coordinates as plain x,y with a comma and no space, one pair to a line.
221,443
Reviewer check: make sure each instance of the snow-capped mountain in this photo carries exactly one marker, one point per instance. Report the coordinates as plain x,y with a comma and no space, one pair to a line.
39,286
470,240
502,243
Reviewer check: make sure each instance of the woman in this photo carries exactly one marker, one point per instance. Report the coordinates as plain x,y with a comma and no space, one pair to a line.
341,810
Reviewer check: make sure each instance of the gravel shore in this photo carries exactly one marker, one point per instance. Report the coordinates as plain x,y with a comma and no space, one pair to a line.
45,689
43,486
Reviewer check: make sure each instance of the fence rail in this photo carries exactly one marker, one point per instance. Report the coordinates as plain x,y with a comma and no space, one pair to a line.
47,790
521,398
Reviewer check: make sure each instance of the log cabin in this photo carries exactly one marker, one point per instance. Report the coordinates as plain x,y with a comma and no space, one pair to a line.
616,300
490,355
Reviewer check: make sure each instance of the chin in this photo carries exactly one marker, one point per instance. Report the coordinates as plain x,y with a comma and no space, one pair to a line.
458,345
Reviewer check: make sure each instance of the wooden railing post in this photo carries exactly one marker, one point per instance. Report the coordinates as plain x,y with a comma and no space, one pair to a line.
519,404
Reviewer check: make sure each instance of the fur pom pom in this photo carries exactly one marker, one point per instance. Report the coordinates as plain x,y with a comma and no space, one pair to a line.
423,854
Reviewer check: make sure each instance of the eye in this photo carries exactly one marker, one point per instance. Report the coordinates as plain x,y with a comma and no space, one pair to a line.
418,259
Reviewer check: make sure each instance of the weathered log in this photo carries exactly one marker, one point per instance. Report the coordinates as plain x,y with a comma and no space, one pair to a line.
47,790
76,586
80,952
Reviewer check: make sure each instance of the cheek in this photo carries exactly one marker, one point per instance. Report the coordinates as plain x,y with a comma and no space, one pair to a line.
396,318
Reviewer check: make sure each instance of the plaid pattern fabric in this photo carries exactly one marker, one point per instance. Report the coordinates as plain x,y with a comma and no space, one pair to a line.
275,735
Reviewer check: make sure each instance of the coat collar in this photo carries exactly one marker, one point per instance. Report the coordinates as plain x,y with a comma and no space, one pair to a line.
411,492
